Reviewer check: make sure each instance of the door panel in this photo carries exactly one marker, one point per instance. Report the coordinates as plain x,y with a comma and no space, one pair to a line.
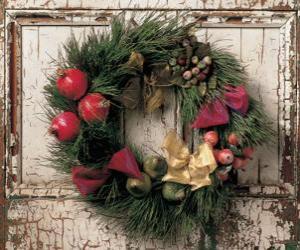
43,213
37,65
267,50
258,49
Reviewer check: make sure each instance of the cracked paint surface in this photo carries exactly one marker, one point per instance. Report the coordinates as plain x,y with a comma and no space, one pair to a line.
68,224
44,214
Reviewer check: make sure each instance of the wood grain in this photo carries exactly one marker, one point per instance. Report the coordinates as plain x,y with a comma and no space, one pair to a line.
42,213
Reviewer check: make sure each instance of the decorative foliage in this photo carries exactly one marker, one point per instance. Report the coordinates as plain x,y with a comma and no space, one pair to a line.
153,196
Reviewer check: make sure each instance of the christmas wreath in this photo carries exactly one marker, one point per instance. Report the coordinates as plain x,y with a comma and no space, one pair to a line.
152,195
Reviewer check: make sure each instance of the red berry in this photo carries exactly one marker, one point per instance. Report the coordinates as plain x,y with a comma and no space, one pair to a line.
233,139
65,126
201,76
238,163
195,71
72,83
211,137
248,152
93,107
187,75
181,61
225,156
223,176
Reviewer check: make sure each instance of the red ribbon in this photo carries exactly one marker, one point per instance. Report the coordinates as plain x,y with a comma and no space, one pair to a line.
89,180
124,161
216,112
211,114
237,99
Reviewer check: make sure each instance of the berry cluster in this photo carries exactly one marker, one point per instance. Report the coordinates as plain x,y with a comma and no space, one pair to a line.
193,67
233,157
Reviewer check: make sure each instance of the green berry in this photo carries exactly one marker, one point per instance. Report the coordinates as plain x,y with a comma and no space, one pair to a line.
207,60
195,59
201,65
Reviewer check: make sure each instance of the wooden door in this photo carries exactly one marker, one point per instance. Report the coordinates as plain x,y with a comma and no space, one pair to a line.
38,211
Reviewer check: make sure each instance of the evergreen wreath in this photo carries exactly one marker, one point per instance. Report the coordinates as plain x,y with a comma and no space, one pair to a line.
153,196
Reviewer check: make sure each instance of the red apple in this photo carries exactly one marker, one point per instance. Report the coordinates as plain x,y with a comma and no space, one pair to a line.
238,163
65,126
72,83
225,157
93,107
233,139
223,176
211,137
248,152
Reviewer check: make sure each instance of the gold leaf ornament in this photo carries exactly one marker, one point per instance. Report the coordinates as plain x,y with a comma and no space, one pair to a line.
155,100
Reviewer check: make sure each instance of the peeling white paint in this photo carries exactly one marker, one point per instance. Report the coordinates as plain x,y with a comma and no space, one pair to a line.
47,215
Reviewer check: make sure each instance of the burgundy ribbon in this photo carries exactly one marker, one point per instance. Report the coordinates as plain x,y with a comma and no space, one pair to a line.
216,112
89,180
124,162
237,99
212,114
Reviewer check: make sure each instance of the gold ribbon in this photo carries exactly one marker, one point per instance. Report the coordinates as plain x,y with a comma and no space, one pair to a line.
185,168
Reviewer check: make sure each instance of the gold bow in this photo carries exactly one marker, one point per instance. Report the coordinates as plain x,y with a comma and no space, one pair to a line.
185,168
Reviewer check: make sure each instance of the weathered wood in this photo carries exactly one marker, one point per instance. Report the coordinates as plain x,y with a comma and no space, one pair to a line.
37,65
68,224
146,131
42,213
154,4
295,120
261,224
261,59
3,221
